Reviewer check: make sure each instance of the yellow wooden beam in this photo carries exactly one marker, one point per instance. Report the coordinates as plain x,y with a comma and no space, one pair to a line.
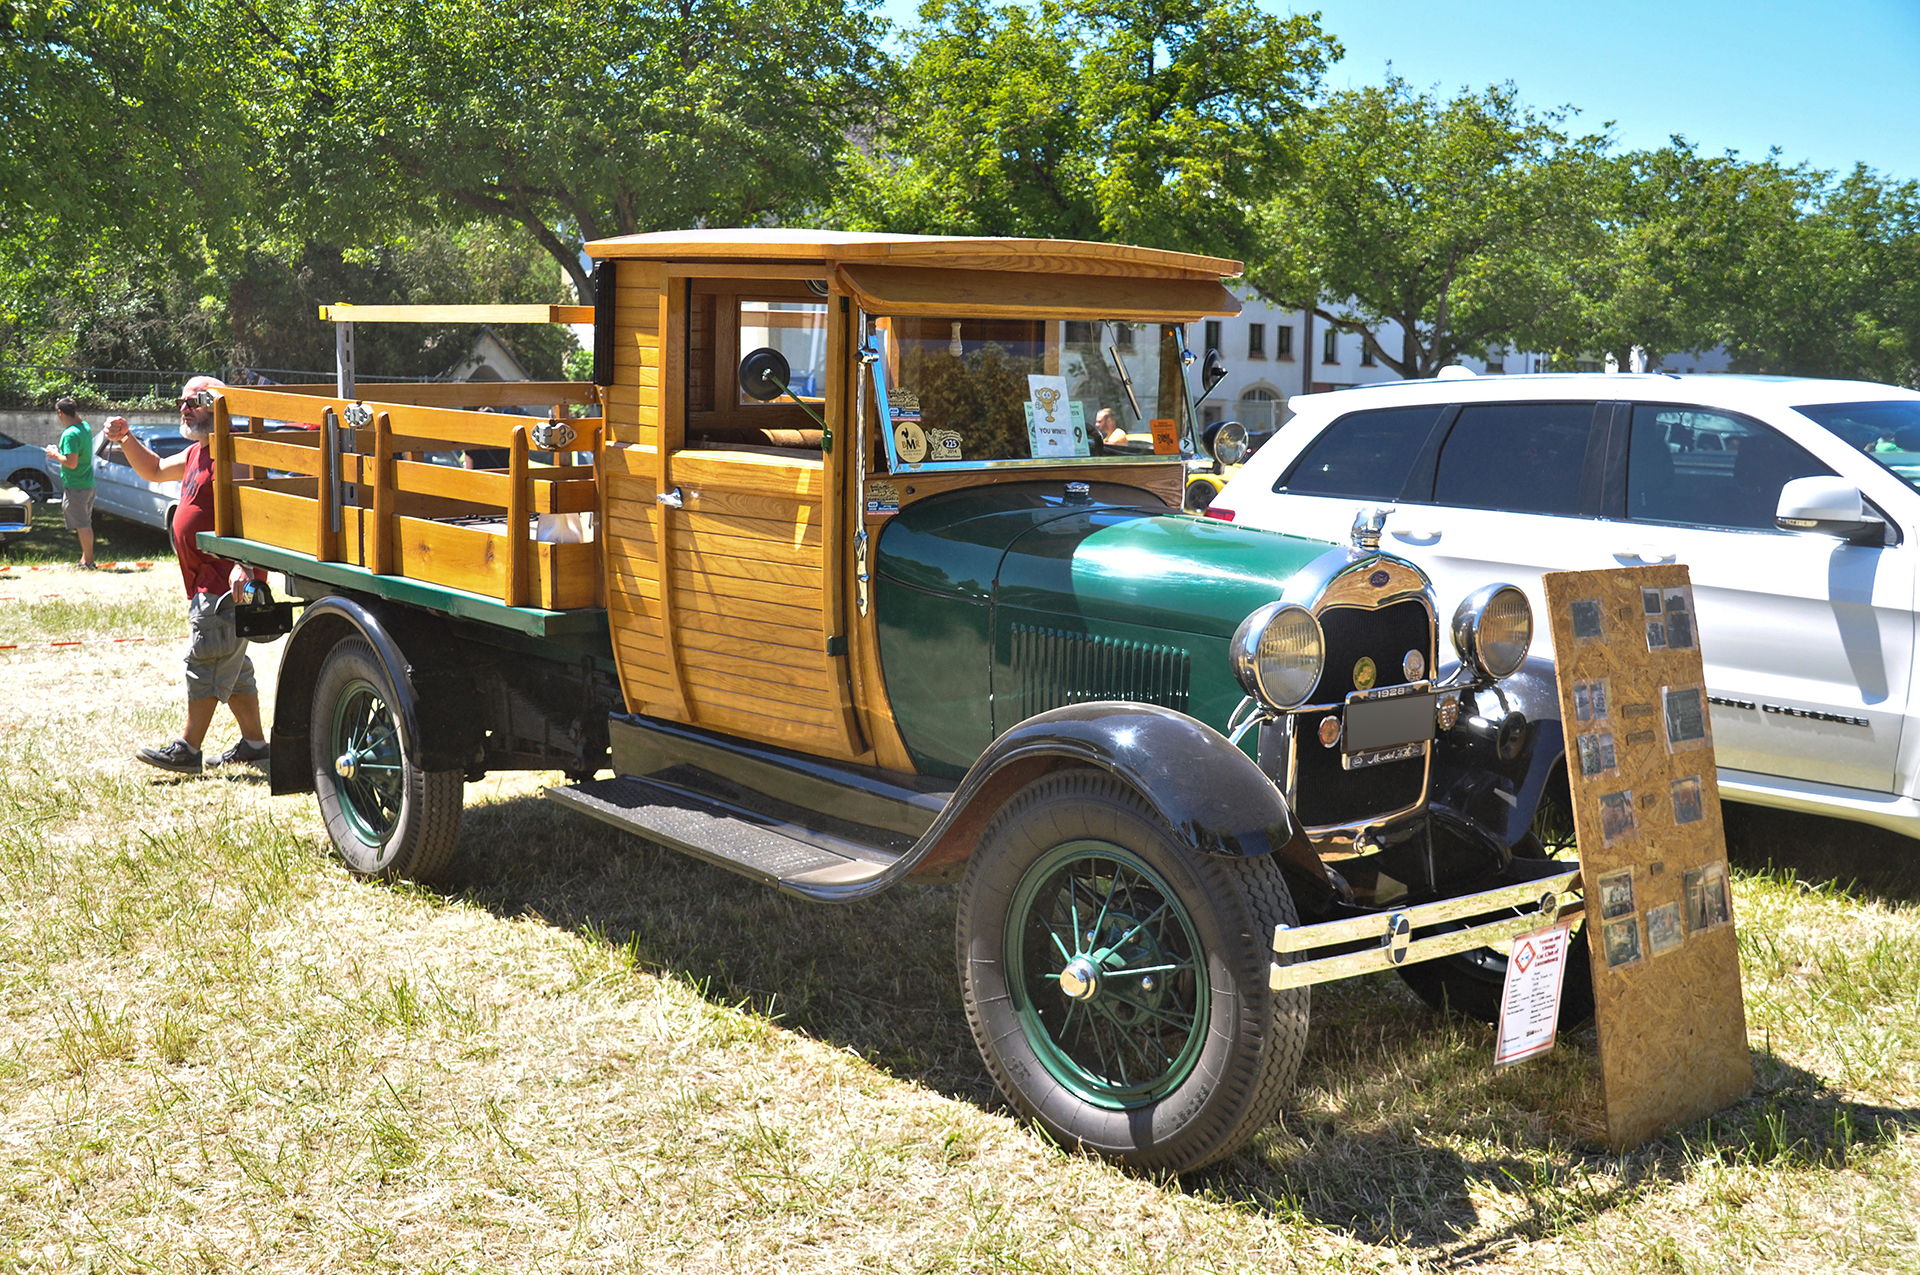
347,313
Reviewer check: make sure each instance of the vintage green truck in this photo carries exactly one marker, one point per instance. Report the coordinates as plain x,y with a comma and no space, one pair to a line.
837,590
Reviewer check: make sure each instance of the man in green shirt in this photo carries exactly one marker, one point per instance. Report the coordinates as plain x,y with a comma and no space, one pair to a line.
75,454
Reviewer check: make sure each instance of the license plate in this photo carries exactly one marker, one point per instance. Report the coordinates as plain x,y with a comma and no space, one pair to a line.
1388,723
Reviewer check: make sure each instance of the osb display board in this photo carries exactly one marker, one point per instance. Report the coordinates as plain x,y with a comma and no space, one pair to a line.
1653,857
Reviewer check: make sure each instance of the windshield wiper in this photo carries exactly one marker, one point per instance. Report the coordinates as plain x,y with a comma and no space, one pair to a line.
1126,382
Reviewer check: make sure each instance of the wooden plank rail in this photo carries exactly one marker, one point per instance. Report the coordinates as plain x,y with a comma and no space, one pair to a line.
482,540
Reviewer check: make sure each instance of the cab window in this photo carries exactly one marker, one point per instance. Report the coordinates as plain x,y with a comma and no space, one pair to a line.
1693,468
1517,457
1367,455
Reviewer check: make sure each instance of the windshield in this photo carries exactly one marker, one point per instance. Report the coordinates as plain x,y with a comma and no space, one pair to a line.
984,390
1887,430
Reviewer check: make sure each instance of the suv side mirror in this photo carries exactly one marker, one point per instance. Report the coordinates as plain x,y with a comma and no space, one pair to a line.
1831,506
1213,371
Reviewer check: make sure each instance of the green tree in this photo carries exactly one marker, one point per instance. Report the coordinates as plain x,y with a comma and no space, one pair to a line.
1160,123
1455,220
571,119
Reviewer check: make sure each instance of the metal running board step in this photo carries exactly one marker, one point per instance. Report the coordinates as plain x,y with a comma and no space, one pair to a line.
803,861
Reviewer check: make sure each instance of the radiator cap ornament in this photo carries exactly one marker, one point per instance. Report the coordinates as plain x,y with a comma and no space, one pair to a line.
1368,523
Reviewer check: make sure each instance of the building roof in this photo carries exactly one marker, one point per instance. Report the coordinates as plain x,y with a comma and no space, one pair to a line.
951,251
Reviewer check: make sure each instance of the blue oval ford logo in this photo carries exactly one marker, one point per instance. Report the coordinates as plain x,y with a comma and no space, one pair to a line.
1379,579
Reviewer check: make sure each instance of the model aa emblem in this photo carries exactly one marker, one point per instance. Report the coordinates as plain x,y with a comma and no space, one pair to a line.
1364,673
1048,399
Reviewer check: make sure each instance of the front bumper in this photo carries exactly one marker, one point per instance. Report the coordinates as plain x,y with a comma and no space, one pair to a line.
1384,940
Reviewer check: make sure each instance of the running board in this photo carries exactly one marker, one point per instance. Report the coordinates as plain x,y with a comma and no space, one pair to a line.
799,860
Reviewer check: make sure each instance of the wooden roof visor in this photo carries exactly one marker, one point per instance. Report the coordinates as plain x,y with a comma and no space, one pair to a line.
960,275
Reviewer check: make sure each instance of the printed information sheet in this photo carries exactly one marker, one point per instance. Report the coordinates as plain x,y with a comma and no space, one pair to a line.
1530,1005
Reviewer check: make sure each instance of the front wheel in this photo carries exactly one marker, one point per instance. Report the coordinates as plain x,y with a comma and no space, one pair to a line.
37,486
1116,982
388,818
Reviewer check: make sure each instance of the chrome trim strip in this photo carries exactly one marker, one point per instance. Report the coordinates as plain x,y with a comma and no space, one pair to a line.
1548,900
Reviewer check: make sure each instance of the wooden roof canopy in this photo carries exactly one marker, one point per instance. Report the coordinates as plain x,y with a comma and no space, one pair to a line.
957,274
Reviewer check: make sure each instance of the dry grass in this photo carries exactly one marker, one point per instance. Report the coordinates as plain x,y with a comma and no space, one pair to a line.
217,1050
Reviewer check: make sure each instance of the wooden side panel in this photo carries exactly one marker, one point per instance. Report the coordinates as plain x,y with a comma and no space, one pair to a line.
632,402
274,518
636,611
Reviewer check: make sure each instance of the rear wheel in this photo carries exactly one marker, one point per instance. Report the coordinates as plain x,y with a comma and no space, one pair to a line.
1116,982
388,818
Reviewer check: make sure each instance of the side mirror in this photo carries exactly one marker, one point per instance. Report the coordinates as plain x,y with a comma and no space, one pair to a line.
764,374
1213,371
1831,506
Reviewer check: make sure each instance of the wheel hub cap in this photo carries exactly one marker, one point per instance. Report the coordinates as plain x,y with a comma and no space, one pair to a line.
1081,979
346,765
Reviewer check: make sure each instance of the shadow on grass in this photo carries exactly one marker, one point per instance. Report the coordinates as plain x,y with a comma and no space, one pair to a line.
1399,1132
1872,864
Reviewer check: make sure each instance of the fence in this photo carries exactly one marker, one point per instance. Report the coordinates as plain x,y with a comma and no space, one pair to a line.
39,384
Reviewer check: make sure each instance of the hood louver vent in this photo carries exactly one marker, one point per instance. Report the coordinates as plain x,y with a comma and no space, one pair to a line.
1052,668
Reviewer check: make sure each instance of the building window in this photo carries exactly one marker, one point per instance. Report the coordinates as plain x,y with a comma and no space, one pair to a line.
1330,346
1256,340
1123,335
1259,409
1283,340
1366,353
1213,336
1211,414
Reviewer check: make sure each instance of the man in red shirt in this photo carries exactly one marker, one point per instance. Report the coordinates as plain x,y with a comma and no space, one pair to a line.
218,669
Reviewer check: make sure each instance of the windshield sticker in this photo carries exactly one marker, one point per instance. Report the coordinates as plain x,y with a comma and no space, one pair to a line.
883,498
944,443
1622,941
1586,620
1686,717
910,442
1616,894
1052,428
1590,701
1664,929
1687,807
1166,436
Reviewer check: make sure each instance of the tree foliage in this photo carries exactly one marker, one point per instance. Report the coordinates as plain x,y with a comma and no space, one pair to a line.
572,119
1455,220
1158,123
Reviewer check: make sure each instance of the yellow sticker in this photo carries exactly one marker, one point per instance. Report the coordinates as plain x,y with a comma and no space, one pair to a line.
1364,674
910,442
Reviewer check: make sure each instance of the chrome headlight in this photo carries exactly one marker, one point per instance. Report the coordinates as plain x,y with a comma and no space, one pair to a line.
1277,653
1230,443
1493,629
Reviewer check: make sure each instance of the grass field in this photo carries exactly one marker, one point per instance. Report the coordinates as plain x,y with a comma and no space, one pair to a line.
219,1051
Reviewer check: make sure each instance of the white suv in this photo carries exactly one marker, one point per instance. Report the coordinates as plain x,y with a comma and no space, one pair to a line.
1804,589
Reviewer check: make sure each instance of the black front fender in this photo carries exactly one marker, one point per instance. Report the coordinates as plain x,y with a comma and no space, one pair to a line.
1211,795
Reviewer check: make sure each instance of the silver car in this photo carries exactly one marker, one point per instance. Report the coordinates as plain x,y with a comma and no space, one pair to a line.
118,490
26,467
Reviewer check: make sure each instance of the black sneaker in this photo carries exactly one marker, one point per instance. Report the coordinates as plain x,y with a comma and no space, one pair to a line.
241,754
180,757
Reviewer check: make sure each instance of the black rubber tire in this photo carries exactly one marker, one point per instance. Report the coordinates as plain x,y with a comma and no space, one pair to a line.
34,484
1254,1038
425,828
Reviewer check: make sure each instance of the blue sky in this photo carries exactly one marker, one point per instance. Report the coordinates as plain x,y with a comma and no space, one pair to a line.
1831,82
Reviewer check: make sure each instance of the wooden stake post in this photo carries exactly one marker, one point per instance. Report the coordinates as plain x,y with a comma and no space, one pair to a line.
1653,858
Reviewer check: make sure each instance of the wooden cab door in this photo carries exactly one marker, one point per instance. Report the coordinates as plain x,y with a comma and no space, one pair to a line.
732,607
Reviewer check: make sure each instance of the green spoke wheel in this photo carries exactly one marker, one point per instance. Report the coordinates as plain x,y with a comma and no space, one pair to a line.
1116,979
388,818
1093,918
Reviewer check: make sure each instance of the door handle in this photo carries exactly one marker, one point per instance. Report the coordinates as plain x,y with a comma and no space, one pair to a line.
1652,555
671,499
1416,535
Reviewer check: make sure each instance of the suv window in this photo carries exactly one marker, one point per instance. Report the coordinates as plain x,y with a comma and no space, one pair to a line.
1697,468
1888,430
1520,457
1364,454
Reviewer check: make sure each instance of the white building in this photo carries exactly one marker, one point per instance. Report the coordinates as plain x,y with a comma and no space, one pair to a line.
1271,355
